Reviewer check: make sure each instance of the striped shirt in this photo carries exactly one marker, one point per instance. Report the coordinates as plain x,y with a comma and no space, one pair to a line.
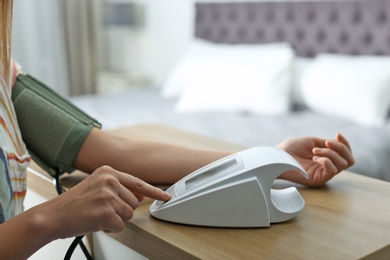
14,158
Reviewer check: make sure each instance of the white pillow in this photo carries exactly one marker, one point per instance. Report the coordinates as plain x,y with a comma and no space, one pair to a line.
356,88
184,70
238,78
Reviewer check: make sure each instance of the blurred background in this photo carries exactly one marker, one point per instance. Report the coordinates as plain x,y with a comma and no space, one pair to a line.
97,46
111,57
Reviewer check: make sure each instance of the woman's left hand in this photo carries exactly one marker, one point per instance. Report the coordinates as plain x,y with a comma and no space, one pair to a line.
322,159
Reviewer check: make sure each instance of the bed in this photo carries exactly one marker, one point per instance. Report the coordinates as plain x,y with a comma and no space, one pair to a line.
326,38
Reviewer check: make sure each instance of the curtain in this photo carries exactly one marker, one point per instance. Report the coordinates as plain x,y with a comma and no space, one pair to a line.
80,22
56,41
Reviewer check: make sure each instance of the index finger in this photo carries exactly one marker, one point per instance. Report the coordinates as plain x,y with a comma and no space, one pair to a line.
136,185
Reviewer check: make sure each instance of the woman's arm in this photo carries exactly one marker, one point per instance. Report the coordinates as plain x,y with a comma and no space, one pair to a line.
165,164
154,162
21,236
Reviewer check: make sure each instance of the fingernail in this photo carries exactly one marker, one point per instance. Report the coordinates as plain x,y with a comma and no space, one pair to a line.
316,150
167,196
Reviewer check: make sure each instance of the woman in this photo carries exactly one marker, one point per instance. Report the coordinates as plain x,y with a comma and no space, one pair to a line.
119,171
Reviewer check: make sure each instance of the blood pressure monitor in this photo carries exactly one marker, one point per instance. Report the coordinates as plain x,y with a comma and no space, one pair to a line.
235,191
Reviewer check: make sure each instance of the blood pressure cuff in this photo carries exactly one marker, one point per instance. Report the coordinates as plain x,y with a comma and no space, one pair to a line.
53,129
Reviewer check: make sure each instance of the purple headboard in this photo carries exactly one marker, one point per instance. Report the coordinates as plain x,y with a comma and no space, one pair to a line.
357,27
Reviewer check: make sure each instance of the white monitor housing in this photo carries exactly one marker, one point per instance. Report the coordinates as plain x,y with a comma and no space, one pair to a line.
235,191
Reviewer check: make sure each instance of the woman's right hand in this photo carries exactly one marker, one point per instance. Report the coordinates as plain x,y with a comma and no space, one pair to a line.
104,201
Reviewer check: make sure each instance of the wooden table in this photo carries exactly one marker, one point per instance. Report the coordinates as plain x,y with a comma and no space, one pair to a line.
349,218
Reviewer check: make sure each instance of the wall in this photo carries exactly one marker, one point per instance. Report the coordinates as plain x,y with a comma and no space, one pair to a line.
165,36
37,42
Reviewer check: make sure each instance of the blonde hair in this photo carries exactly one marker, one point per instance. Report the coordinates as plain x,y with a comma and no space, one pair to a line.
5,34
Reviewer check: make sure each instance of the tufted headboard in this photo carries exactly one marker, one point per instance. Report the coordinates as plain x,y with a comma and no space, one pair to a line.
357,27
